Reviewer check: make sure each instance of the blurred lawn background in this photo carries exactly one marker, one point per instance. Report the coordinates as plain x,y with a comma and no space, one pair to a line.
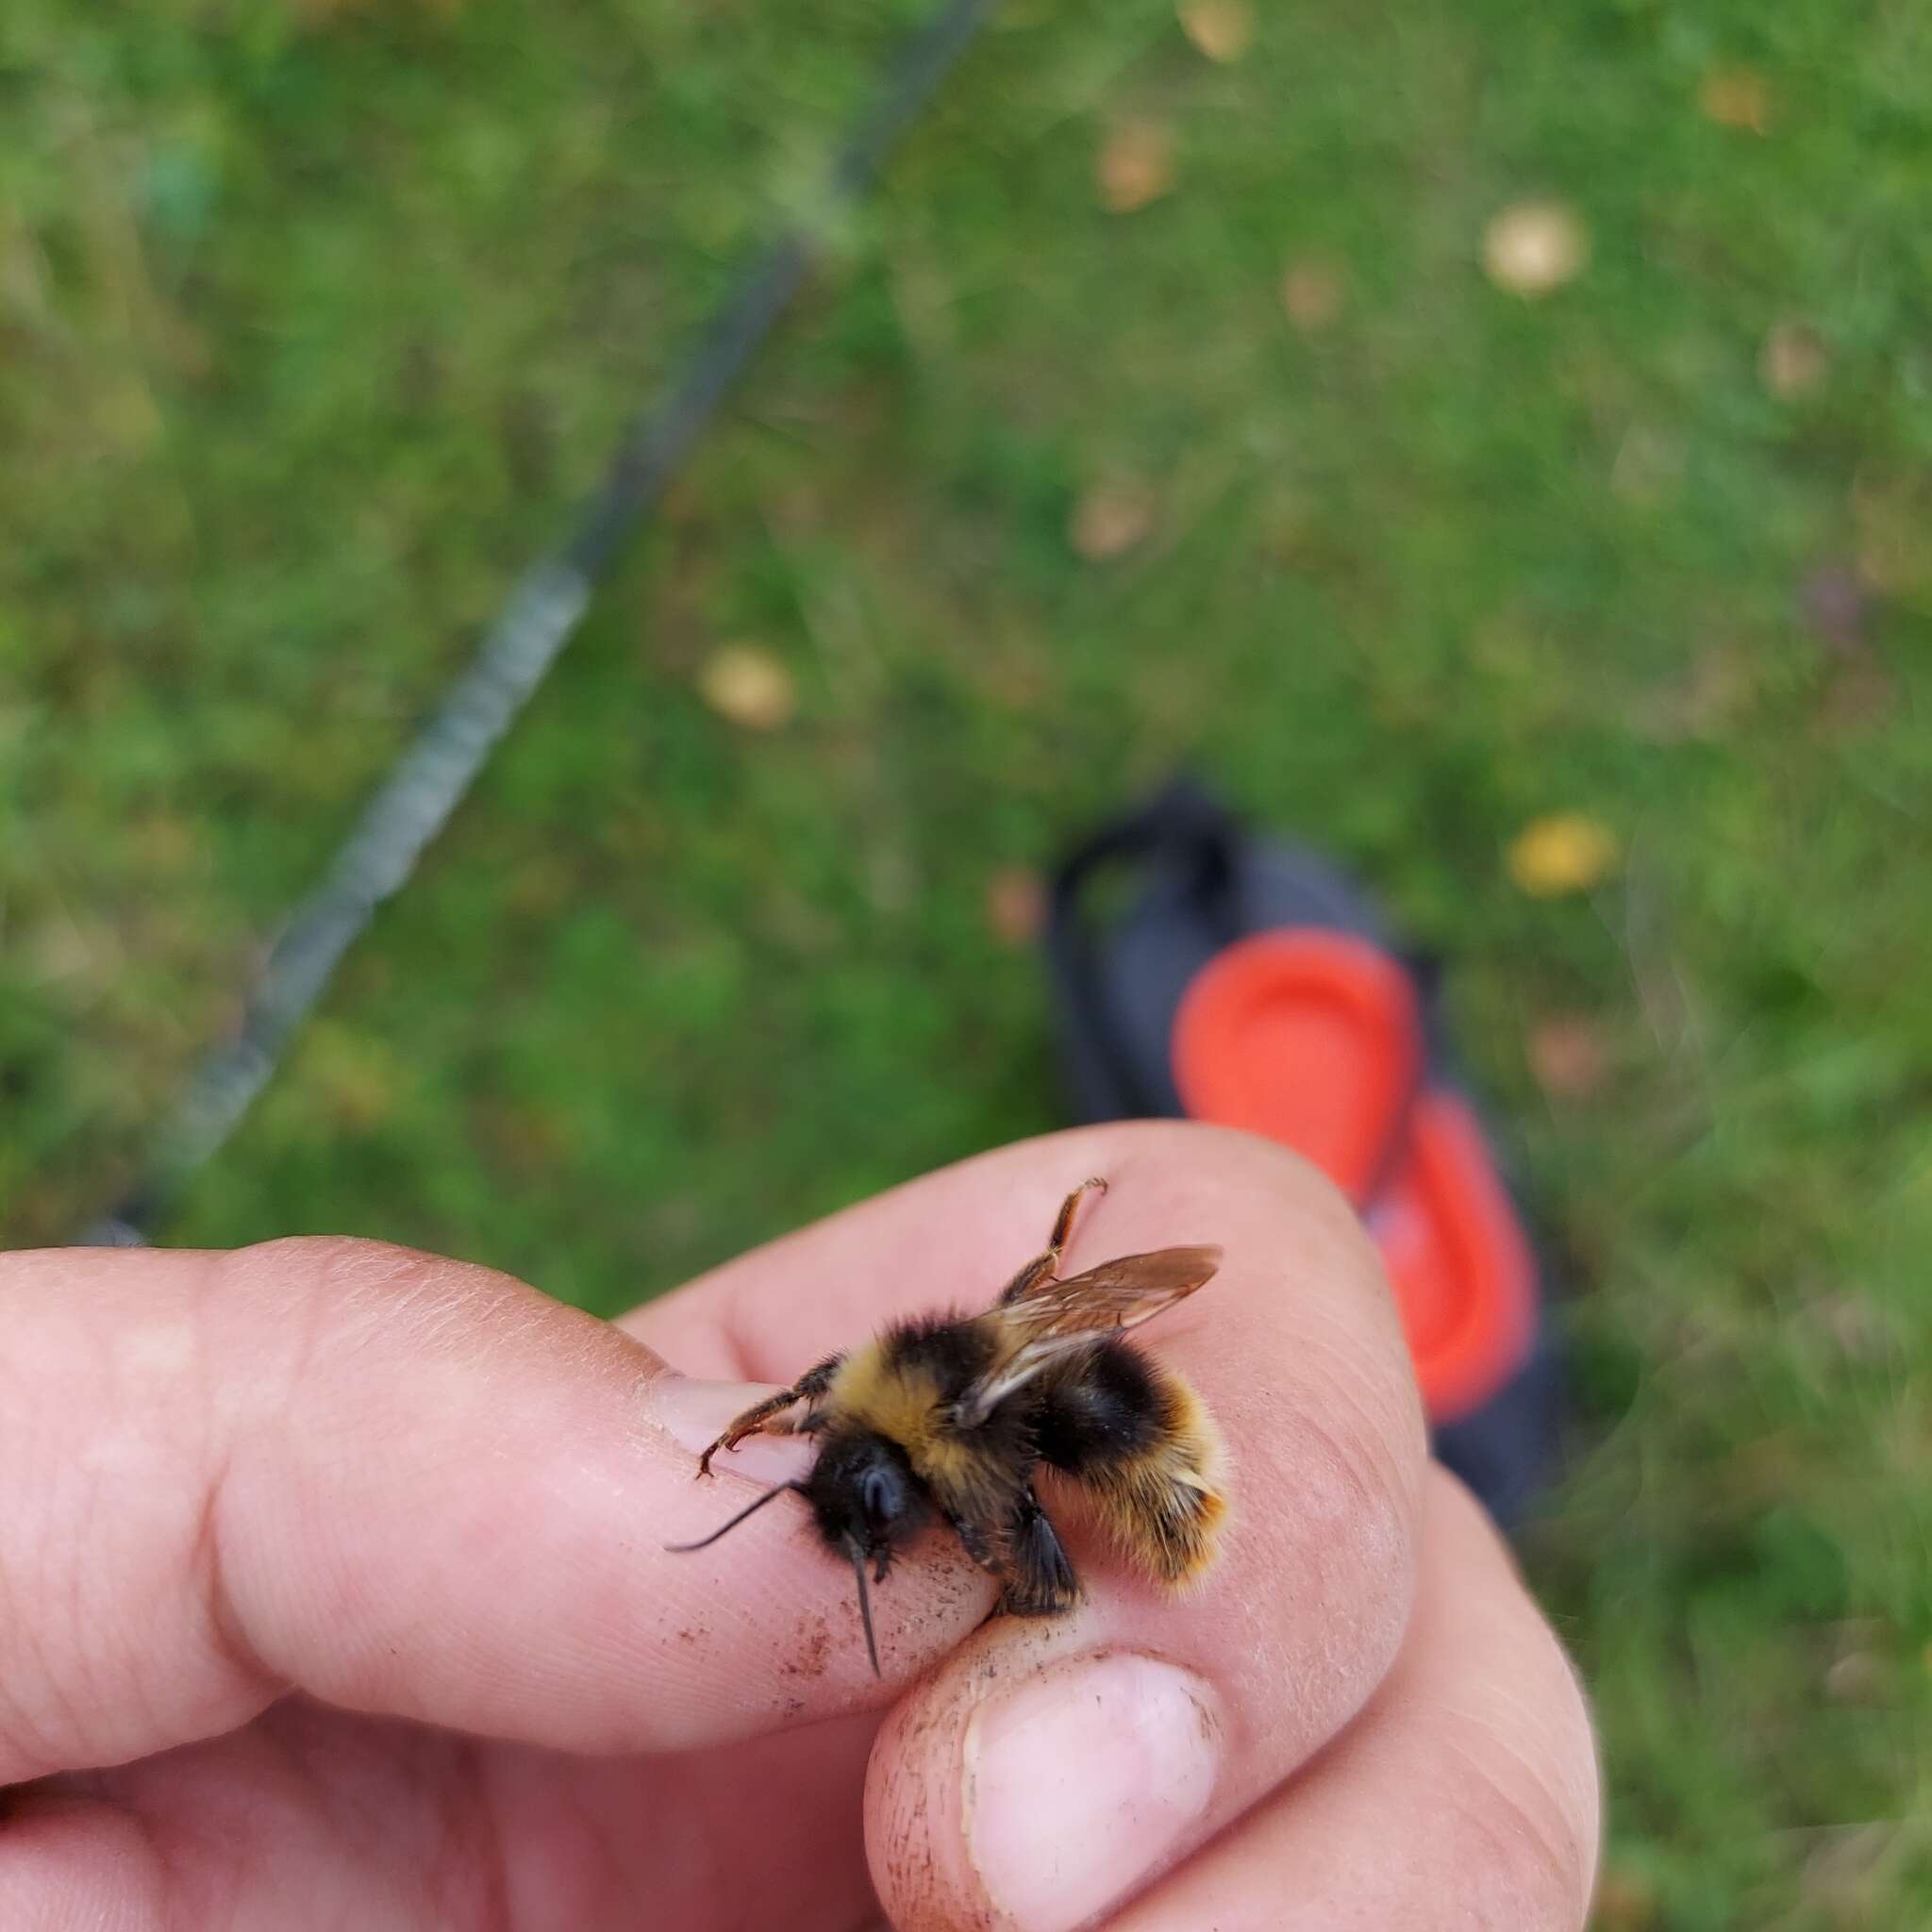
1166,407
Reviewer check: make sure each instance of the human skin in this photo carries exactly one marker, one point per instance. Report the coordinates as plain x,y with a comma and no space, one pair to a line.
333,1592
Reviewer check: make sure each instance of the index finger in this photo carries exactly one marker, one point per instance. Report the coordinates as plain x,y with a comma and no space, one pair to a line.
396,1483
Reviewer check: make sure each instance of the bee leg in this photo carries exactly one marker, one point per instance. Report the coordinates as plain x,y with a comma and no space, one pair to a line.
768,1417
1063,1222
979,1543
1041,1267
1039,1573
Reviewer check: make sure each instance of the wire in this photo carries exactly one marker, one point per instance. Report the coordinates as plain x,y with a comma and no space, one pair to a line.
435,772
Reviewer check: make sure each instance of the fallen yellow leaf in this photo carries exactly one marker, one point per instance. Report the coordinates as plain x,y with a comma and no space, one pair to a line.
1532,248
1834,607
323,12
1564,853
1312,292
1222,29
1891,510
351,1076
1857,1678
1649,464
1015,904
1707,700
1858,691
163,841
1135,166
1625,1902
1568,1056
1737,97
1110,519
1793,361
746,684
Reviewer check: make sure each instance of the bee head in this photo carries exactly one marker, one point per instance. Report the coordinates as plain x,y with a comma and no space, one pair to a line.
868,1504
866,1498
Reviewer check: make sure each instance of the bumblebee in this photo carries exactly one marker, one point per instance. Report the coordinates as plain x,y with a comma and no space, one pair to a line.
946,1418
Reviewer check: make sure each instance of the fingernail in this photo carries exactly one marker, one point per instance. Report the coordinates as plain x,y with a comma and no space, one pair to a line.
1084,1781
694,1414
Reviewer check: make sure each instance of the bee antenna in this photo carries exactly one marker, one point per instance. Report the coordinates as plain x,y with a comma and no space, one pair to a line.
751,1508
872,1649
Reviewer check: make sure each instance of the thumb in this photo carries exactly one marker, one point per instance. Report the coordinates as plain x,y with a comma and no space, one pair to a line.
399,1485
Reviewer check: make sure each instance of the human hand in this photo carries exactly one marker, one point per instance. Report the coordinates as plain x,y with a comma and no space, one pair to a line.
347,1563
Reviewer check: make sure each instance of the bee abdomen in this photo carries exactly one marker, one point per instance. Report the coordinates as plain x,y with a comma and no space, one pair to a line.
1143,1444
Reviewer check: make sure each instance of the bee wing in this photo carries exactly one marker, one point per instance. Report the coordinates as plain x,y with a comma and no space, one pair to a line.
1056,1316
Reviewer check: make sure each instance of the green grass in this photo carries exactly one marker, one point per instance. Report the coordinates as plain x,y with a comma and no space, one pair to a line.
313,323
